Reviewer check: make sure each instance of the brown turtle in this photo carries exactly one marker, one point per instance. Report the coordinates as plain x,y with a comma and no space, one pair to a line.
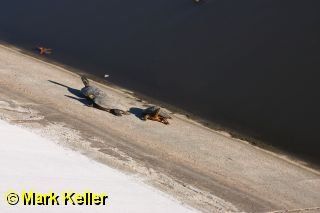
155,113
98,99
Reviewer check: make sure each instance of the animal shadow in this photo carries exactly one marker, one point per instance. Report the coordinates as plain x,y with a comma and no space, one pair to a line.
138,112
80,97
81,100
73,91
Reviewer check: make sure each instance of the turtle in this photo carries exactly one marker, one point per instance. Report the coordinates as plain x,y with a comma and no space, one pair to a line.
44,50
155,113
98,99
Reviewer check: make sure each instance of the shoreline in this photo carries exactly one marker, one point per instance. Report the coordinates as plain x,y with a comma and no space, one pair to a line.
204,163
236,134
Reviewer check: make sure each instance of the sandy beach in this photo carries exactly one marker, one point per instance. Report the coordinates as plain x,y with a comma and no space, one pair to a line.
203,168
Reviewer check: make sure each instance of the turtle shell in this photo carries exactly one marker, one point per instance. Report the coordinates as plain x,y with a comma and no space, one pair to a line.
154,109
105,101
164,114
151,110
87,91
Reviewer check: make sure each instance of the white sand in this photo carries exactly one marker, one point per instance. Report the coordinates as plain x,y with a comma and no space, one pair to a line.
30,162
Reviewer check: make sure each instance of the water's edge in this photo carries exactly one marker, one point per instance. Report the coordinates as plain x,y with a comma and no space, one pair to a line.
189,115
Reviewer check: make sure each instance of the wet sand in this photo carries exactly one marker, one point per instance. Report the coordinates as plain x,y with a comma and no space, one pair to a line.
204,168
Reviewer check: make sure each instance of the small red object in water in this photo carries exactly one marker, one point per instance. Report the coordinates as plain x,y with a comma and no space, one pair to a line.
44,50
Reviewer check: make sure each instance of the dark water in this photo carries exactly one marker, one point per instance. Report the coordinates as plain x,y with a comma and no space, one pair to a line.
249,65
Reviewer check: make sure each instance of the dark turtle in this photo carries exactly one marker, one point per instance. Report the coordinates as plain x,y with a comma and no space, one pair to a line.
90,91
98,99
155,113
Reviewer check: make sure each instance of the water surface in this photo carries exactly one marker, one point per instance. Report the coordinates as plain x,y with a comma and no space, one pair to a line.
252,66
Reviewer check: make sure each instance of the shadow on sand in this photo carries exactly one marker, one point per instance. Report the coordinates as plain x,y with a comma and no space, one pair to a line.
79,97
138,112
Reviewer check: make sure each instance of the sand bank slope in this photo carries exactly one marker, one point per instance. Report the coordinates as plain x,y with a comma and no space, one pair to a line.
32,163
206,169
